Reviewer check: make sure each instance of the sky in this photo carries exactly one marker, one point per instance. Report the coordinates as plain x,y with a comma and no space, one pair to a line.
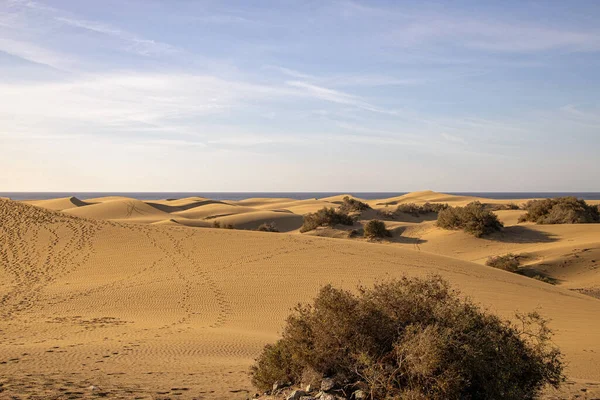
184,95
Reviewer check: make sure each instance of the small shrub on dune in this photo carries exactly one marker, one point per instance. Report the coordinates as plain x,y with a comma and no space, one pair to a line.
560,210
503,207
216,224
376,229
325,217
509,262
352,205
474,218
268,227
412,338
416,210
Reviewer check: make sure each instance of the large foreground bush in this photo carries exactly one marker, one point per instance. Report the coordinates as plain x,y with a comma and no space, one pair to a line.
560,210
412,339
325,217
474,218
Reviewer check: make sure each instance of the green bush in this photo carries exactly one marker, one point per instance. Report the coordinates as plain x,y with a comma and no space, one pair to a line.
352,205
560,210
376,229
268,227
474,218
412,338
509,262
325,217
418,210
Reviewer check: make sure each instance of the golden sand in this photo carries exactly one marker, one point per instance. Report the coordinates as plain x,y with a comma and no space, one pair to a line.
144,299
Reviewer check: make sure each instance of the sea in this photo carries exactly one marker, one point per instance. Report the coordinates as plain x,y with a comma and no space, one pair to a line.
292,195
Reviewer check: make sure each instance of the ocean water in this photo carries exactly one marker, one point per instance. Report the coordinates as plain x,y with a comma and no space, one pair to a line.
292,195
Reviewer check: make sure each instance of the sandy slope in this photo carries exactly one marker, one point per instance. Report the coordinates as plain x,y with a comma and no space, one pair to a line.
145,309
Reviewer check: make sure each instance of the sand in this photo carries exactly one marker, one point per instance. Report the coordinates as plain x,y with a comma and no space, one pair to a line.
144,299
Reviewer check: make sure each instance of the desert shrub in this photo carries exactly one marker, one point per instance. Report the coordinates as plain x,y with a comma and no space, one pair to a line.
228,226
216,224
268,227
509,262
474,218
376,229
352,205
325,217
417,210
560,210
502,207
412,338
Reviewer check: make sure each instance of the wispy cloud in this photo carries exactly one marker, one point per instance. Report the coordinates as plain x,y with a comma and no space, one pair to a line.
337,96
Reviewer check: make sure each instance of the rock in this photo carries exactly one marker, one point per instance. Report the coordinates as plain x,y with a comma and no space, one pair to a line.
327,384
296,395
359,395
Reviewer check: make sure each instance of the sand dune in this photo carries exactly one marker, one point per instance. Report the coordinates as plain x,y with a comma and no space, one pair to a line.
59,204
165,305
120,209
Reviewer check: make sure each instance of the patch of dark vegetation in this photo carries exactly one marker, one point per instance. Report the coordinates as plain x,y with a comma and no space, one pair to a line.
350,205
376,229
218,224
512,263
325,217
503,207
411,338
508,262
418,210
268,227
473,218
560,210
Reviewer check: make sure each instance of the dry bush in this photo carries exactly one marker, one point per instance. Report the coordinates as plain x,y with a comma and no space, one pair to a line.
268,227
375,229
417,210
216,224
325,217
352,205
560,210
502,207
474,218
509,262
412,338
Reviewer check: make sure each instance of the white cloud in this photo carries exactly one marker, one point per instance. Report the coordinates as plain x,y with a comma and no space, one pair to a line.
336,96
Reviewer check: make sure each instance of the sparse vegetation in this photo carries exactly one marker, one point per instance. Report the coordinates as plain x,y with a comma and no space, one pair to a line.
418,210
474,218
352,205
560,210
218,224
325,217
502,207
376,229
509,262
268,227
412,338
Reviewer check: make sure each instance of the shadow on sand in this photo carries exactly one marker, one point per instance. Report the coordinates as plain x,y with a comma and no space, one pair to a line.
521,234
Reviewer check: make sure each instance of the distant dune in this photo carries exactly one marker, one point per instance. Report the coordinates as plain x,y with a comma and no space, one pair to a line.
145,298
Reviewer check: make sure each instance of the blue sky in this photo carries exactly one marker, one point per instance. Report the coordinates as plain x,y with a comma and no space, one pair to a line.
299,95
